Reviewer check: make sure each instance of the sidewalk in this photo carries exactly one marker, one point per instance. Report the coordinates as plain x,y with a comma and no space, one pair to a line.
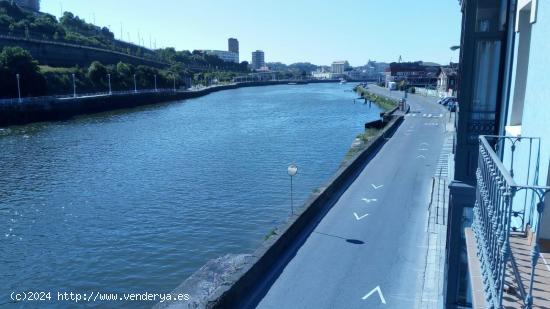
433,287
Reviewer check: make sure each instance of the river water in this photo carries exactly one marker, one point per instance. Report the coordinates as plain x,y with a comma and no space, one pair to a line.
137,200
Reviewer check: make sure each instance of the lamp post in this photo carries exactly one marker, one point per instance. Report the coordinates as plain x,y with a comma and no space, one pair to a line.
156,83
110,90
74,86
292,171
135,84
18,87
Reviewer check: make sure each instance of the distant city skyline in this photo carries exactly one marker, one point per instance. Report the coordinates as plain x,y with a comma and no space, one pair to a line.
287,31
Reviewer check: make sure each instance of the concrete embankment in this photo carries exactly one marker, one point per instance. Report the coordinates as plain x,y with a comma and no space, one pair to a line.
242,281
52,108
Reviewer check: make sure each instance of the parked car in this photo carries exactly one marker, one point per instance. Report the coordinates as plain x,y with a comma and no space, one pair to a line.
448,100
452,106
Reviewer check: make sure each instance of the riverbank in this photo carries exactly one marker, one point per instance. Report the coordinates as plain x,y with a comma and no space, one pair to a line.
29,110
381,101
373,128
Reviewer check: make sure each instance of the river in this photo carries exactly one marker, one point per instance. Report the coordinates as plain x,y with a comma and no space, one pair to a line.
137,200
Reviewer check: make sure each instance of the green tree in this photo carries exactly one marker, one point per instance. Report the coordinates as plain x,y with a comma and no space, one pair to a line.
13,61
125,74
97,73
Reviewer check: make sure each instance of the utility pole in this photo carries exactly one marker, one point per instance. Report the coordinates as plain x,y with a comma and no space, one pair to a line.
74,86
110,90
135,84
18,87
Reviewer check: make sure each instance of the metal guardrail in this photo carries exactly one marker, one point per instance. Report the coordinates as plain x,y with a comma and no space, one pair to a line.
28,100
493,213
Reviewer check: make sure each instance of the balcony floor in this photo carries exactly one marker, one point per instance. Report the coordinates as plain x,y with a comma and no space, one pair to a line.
521,250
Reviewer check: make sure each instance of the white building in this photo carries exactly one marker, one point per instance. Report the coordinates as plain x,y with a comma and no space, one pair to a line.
321,75
224,55
338,67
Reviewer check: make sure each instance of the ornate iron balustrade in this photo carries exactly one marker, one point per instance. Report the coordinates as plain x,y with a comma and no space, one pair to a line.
493,214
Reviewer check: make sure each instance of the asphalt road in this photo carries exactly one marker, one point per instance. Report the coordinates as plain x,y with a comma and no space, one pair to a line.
369,251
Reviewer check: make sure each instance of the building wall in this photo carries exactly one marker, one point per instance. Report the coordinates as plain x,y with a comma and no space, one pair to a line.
258,59
338,68
226,56
233,45
536,110
532,95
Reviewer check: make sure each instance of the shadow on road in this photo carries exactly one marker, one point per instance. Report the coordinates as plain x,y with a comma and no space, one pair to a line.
351,241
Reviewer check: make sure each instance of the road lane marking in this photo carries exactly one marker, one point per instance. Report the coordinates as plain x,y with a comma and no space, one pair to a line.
369,200
423,149
376,289
357,217
421,157
376,187
424,144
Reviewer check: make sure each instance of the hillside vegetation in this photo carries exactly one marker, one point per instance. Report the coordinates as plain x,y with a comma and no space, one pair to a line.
72,29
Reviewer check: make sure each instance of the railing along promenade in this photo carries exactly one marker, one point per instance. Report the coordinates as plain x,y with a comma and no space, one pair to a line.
494,212
26,100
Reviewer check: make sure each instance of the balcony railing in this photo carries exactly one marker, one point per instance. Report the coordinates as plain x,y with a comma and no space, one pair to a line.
497,211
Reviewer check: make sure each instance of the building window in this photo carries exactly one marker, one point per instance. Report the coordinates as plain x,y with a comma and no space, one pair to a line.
486,76
491,15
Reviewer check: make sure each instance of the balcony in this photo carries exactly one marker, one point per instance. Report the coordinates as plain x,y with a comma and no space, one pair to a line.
508,268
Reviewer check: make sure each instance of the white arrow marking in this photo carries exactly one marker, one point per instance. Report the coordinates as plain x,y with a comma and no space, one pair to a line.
423,149
424,144
421,156
367,200
376,289
376,187
359,217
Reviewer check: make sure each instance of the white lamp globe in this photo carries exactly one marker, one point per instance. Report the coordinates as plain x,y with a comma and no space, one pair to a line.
292,170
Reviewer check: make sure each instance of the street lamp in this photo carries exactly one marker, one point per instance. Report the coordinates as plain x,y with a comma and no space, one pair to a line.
135,84
292,171
156,83
110,90
74,86
18,87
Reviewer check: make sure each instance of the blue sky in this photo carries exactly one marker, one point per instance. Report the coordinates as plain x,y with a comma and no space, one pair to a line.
288,31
